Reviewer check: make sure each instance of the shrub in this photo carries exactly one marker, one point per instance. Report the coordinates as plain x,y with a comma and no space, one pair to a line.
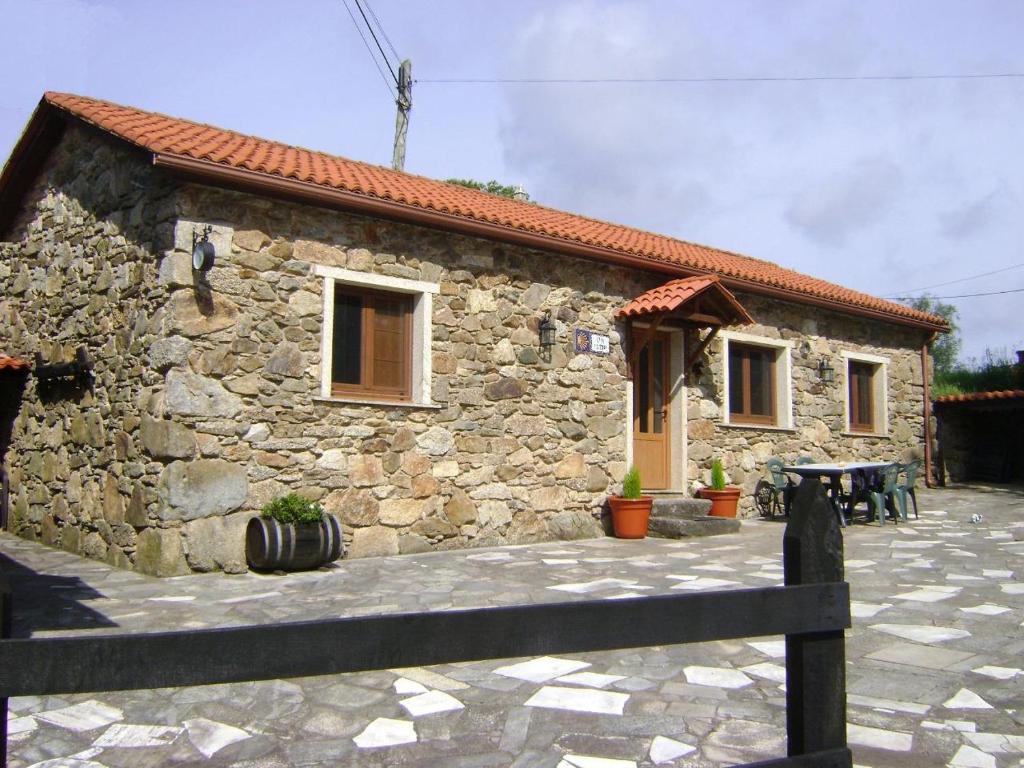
717,475
631,484
293,509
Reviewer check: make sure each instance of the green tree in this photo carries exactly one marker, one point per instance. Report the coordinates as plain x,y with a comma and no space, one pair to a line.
491,187
946,348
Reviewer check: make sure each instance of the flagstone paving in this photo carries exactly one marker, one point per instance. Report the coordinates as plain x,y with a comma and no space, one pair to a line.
934,657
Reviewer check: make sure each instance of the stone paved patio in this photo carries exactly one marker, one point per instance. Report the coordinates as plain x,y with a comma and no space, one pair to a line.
934,657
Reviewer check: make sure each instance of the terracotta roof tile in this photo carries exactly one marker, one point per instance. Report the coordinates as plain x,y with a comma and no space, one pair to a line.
973,397
13,363
185,139
675,293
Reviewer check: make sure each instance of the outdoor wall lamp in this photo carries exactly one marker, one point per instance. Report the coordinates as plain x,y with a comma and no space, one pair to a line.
547,333
203,251
826,372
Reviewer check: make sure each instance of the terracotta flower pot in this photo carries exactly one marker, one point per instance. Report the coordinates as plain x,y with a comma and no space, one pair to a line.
723,502
630,516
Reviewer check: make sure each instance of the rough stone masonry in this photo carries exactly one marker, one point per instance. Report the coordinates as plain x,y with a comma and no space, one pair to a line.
206,398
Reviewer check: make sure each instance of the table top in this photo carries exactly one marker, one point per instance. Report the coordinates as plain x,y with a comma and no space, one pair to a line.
839,468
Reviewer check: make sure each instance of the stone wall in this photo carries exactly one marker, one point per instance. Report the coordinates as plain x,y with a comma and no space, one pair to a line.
514,448
79,269
206,403
819,423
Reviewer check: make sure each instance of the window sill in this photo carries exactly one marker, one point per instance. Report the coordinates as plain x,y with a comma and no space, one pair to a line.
848,433
342,401
757,427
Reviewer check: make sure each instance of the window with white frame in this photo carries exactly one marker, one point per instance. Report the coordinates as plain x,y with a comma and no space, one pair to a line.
866,393
758,390
376,337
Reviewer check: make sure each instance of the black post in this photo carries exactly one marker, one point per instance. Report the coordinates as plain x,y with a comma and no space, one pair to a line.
812,550
5,632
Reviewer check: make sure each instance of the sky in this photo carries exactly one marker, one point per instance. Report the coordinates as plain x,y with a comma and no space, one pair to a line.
881,185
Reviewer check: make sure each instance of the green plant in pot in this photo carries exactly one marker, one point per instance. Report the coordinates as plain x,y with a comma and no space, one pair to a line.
724,498
632,510
292,533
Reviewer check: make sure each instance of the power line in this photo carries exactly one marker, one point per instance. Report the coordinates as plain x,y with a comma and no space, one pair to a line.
381,28
373,34
960,296
669,80
965,279
369,50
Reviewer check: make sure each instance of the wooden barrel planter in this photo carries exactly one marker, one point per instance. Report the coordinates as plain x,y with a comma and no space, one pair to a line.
274,546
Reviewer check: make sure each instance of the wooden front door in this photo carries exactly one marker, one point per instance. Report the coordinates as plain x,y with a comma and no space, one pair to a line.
650,412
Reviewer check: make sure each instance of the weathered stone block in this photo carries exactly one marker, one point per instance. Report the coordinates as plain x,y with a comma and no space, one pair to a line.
189,394
191,490
376,541
506,388
159,552
412,544
548,498
319,253
250,239
335,459
175,270
354,507
192,316
571,466
168,352
402,512
164,439
365,471
216,542
305,304
286,360
436,441
574,525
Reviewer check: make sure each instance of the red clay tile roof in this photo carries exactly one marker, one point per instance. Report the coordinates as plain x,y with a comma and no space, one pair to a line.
973,397
13,363
675,293
170,137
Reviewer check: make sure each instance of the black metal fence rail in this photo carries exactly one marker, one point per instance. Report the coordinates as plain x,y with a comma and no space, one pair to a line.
811,611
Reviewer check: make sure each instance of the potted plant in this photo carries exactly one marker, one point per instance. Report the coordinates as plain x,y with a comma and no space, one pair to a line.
724,499
292,533
632,510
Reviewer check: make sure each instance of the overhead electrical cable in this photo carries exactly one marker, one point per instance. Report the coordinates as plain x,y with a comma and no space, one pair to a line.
764,79
960,296
965,279
369,26
369,50
381,28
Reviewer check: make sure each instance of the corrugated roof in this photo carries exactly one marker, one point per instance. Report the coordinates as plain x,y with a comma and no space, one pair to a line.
186,140
974,397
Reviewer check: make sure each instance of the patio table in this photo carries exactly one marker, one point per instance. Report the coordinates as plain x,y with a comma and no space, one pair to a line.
834,473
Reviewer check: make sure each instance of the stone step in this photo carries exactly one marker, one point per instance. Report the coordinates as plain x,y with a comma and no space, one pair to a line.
680,528
680,507
675,516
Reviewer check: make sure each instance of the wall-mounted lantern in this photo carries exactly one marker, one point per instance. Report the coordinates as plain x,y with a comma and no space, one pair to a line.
203,252
826,372
546,330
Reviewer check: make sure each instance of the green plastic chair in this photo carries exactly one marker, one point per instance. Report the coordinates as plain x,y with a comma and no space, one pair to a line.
906,488
885,491
805,459
774,495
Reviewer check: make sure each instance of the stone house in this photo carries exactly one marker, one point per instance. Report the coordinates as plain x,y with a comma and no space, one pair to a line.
440,367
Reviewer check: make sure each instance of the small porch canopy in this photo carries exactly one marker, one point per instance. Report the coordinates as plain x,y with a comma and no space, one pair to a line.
689,302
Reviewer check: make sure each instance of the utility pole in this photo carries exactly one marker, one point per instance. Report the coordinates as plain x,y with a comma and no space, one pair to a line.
404,103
